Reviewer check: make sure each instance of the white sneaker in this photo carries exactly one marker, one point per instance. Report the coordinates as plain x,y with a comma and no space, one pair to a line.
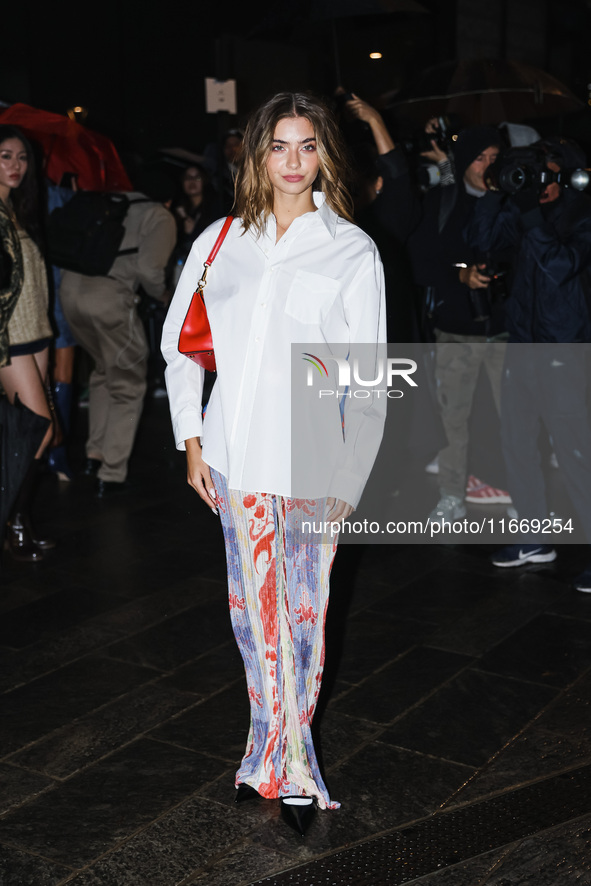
433,466
519,555
583,581
448,509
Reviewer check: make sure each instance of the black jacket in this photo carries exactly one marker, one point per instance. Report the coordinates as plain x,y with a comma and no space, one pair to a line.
550,294
432,226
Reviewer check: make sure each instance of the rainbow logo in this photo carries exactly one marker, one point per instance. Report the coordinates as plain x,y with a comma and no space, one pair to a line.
316,362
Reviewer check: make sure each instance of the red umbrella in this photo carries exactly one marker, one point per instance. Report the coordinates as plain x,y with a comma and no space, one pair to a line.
70,147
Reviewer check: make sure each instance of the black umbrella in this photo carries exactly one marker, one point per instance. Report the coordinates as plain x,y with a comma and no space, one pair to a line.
21,433
181,157
485,91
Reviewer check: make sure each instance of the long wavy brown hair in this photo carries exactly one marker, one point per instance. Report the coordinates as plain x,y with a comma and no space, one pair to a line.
254,193
25,198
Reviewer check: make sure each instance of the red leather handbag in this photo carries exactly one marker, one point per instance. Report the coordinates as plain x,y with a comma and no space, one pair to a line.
195,340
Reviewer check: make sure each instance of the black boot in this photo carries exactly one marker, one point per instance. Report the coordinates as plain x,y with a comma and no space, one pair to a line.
298,817
245,792
21,539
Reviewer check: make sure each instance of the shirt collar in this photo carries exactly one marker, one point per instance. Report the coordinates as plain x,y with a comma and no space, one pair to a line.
474,192
327,215
324,212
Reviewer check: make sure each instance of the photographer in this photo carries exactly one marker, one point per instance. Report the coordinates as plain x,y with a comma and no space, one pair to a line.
399,209
386,208
467,323
534,203
457,310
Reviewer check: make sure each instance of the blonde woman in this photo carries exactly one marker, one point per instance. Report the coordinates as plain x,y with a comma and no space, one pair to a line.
293,268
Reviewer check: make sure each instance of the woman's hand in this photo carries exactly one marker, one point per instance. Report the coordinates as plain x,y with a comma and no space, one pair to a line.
436,155
198,474
337,510
473,278
363,111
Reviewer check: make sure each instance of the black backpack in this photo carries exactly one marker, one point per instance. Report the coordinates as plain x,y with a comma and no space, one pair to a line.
85,234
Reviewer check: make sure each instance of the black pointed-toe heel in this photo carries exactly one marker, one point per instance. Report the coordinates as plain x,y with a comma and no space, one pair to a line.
298,816
245,792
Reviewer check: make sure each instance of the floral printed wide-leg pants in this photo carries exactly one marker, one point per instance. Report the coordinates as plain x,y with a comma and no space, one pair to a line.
278,592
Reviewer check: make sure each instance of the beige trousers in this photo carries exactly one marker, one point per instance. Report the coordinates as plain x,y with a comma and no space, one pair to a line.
459,359
104,320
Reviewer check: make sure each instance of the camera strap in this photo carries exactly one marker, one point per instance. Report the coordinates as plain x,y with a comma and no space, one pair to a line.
449,196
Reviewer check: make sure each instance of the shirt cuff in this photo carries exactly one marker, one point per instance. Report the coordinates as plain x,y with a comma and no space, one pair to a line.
186,426
346,486
446,173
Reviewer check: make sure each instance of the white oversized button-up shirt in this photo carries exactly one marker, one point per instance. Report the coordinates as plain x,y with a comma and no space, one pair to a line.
321,283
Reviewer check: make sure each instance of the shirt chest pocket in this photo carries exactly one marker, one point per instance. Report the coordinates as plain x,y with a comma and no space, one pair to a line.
310,297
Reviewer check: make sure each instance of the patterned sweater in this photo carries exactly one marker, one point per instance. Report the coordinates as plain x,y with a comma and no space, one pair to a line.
11,277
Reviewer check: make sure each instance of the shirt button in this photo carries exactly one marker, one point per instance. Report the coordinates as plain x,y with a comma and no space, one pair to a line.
263,304
257,339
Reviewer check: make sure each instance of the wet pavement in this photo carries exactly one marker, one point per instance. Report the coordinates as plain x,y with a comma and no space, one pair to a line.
454,724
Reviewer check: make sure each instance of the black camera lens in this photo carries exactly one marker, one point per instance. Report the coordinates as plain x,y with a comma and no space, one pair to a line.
514,178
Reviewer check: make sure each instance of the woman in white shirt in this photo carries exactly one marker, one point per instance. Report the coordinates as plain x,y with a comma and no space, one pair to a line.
292,271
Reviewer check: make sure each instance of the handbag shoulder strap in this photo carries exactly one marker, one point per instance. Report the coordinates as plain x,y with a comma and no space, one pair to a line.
216,248
219,241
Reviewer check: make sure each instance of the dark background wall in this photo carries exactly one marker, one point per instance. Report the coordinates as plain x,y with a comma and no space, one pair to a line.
139,68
